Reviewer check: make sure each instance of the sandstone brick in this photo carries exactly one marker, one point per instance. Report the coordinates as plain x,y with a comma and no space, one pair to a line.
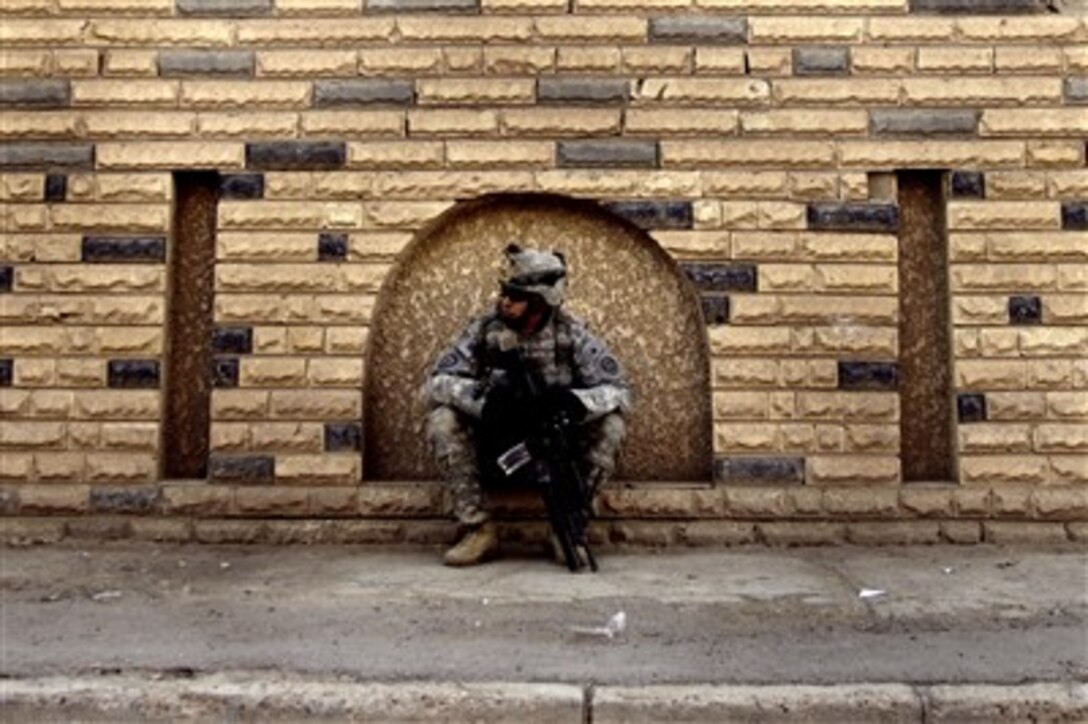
850,406
1017,185
807,533
587,60
152,155
1069,469
317,7
127,436
894,533
1072,406
787,154
1002,469
229,437
718,533
271,501
898,154
256,246
882,60
1061,503
750,437
33,435
680,91
822,122
25,63
516,60
951,59
560,122
239,404
125,93
344,372
1054,342
994,438
230,531
1054,154
435,121
853,91
110,217
901,29
1013,59
658,60
926,502
314,32
161,530
318,469
1032,29
961,531
993,278
309,63
668,121
121,468
53,499
39,125
462,30
757,341
804,29
405,215
850,247
852,470
1033,122
872,438
1023,533
1061,438
744,373
272,372
492,154
316,404
589,29
1040,245
769,61
238,94
247,125
16,33
289,215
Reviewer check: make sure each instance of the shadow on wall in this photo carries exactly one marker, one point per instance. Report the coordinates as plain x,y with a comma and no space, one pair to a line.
621,282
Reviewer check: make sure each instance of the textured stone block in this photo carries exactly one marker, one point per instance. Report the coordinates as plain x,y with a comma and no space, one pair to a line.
422,6
715,308
332,246
343,436
654,214
979,7
722,277
7,278
110,249
56,187
1025,310
36,93
225,372
36,155
760,470
361,92
6,367
173,63
607,152
242,469
1075,215
971,407
927,122
124,499
1075,90
241,186
868,376
582,90
821,60
296,155
225,8
968,185
853,217
133,373
699,30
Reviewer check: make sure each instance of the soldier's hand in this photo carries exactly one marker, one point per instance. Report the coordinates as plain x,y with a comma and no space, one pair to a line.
560,401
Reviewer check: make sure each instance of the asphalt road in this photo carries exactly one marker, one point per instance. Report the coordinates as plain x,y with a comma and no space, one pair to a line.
942,614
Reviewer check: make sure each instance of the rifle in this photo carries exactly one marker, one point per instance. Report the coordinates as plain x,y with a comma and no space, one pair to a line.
544,454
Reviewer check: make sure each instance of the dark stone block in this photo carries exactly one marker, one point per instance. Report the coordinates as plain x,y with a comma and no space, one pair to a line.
715,308
343,436
1076,90
923,121
228,8
296,155
241,186
1025,310
242,469
112,249
654,214
582,90
56,187
46,155
133,374
232,340
610,153
362,92
859,216
7,278
230,63
9,500
124,500
868,376
332,247
980,7
822,60
971,407
6,366
699,30
1075,215
722,277
760,470
36,93
422,6
224,372
968,185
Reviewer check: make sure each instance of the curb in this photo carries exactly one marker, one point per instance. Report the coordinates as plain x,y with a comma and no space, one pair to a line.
264,696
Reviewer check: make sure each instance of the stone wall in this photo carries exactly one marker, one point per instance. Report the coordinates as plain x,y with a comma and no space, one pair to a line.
758,143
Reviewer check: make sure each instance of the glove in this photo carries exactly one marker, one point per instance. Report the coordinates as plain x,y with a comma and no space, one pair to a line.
561,401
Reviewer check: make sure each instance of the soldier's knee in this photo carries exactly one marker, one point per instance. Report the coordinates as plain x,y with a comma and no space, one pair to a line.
444,428
613,430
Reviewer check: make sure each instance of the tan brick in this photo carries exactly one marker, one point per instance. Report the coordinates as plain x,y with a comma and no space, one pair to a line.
1076,57
589,29
1051,374
150,155
475,91
1039,245
1033,29
132,187
239,404
898,154
492,154
310,63
248,125
517,60
463,60
641,59
881,60
318,469
316,404
1070,469
104,277
804,29
1054,154
990,375
198,499
342,372
851,470
1061,438
1033,122
822,122
53,498
1054,342
679,91
1067,184
129,436
317,7
719,61
961,531
998,277
460,122
314,32
105,217
1072,277
744,373
403,214
859,406
33,435
1004,215
74,63
286,437
121,93
114,124
21,187
245,94
769,61
35,372
788,154
271,501
450,184
852,247
900,29
229,437
25,63
925,501
744,184
1002,469
16,467
120,468
57,467
679,121
1034,59
272,372
50,33
81,373
741,405
597,59
289,215
851,502
813,186
801,533
346,340
130,63
951,59
749,340
1072,406
23,217
994,438
872,438
1023,533
560,122
1002,185
856,91
255,246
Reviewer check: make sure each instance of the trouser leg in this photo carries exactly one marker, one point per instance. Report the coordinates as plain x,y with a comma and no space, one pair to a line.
449,434
603,439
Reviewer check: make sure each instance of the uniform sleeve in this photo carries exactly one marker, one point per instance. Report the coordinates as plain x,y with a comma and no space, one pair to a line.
453,380
599,380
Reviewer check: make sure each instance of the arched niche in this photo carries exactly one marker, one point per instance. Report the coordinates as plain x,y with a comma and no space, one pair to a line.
621,282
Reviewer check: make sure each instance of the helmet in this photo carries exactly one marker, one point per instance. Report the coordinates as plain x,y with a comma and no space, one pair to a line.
532,271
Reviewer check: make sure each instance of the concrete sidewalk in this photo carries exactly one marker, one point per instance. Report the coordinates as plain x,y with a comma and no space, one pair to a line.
942,633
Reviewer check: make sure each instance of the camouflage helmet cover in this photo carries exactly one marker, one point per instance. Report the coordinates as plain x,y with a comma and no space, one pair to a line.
536,272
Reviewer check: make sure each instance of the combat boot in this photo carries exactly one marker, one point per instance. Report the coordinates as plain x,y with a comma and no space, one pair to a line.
581,554
478,545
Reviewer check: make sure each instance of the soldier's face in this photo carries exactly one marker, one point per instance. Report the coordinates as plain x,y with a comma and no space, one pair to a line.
513,307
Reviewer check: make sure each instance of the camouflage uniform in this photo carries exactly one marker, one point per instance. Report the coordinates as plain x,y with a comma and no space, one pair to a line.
567,356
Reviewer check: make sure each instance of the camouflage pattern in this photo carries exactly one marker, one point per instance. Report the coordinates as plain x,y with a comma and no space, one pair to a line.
567,355
537,272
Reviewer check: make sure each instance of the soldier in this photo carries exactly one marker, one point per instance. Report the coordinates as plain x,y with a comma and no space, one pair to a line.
469,393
